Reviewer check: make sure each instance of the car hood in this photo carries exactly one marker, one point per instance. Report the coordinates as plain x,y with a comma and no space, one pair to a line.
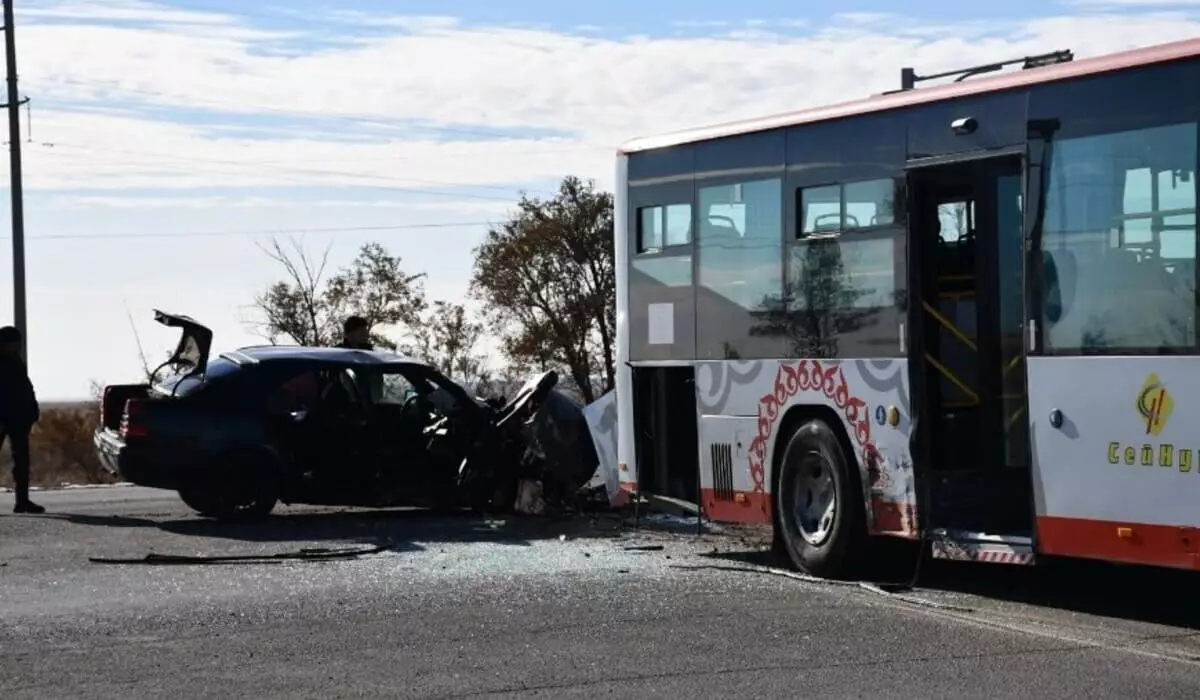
557,431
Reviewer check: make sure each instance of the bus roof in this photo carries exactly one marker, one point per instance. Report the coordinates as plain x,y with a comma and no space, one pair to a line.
1160,53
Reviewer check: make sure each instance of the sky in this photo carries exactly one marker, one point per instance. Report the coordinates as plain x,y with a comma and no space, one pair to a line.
166,143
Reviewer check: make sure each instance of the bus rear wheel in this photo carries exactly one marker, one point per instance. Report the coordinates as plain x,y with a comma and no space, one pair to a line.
820,514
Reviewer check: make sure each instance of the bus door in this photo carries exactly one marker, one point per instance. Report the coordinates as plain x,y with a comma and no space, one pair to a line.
967,347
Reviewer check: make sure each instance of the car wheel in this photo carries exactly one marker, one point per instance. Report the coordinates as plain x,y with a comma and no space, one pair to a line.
820,513
248,491
228,504
199,500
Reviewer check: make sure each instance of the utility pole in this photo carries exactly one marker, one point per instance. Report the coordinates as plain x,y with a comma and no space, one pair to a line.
18,200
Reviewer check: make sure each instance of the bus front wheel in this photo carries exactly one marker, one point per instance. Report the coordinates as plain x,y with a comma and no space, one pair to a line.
821,519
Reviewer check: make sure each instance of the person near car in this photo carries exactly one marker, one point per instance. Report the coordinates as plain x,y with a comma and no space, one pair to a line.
19,411
356,334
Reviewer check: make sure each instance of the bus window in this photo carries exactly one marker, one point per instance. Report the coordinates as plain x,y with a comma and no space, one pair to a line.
842,282
853,205
740,270
664,227
1121,210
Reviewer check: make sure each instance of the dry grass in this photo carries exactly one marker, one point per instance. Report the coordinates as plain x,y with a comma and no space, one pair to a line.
61,448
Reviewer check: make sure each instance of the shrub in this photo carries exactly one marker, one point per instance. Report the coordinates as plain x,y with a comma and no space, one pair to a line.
61,449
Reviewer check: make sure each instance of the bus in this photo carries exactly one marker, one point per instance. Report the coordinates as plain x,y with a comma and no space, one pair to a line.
962,314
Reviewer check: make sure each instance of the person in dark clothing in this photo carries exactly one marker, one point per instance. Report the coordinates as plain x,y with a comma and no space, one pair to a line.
19,411
356,333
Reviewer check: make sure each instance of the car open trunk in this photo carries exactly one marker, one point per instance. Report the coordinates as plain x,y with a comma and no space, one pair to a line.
190,357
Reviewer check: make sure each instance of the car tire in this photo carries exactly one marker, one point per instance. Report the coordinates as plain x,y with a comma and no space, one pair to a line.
200,500
821,518
247,492
227,504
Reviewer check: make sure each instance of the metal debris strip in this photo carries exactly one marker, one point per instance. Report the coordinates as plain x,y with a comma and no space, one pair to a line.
876,588
311,554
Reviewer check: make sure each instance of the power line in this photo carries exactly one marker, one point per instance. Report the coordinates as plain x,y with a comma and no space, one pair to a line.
307,171
259,232
308,181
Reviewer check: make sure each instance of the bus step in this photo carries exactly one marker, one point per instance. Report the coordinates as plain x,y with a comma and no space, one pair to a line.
962,545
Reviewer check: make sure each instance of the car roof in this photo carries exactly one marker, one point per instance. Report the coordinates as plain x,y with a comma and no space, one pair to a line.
1160,53
258,354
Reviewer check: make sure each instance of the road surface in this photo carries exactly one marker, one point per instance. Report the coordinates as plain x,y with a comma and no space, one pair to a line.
463,608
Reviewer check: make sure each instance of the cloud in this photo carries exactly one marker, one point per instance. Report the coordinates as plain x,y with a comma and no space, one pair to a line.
152,106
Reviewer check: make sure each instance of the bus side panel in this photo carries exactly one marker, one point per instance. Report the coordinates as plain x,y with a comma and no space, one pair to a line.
1116,473
727,489
869,397
626,455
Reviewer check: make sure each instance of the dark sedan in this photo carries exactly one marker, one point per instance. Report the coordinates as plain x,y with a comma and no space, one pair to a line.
236,433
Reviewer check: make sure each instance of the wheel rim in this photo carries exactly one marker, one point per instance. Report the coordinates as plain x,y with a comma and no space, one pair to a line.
814,504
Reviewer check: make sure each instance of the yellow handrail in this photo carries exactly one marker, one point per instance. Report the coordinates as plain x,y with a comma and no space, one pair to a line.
954,330
953,379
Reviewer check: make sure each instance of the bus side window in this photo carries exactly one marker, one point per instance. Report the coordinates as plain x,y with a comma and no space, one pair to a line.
662,227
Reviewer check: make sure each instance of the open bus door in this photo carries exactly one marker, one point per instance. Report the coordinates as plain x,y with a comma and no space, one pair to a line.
971,446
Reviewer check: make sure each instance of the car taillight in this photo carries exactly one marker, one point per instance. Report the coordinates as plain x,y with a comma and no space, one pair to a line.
131,424
104,406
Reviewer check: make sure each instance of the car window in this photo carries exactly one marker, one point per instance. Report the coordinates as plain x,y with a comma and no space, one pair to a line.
181,384
396,388
389,388
299,391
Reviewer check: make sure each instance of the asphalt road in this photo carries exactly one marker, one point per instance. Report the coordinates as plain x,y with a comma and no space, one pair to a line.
460,607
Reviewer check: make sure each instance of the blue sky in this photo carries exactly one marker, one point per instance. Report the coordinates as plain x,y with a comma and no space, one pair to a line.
168,141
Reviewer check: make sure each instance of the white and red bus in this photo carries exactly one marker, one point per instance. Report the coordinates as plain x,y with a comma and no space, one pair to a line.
964,314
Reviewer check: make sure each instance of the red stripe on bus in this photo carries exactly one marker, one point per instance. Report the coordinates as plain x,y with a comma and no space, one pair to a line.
1173,546
893,519
736,507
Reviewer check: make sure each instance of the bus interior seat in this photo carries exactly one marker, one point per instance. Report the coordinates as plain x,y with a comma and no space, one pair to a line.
1117,285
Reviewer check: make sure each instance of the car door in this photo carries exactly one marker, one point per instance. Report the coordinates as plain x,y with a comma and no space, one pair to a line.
400,414
334,443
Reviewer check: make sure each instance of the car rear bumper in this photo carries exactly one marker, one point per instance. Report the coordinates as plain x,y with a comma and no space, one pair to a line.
145,465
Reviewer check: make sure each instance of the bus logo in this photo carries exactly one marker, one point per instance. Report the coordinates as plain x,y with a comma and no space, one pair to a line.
1154,404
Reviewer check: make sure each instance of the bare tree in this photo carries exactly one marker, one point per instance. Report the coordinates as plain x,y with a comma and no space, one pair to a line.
293,308
308,306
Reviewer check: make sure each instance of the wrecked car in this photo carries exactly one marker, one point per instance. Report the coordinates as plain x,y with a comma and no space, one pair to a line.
237,433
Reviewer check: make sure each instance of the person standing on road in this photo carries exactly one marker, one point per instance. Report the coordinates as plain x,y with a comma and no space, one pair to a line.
19,411
356,333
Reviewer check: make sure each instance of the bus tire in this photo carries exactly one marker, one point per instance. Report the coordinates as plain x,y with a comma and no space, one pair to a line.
821,516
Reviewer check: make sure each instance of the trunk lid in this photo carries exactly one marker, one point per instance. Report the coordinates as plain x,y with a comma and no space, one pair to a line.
195,343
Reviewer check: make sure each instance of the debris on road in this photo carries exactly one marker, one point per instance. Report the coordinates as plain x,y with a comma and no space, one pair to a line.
644,548
313,554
